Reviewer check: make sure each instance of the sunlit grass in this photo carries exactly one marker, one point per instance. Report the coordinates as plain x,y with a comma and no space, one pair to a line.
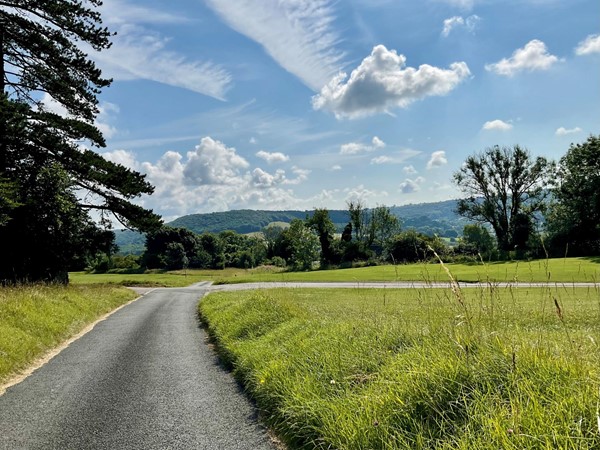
560,270
485,368
35,319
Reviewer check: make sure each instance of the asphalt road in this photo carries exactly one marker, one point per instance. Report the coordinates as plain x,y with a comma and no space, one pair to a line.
142,379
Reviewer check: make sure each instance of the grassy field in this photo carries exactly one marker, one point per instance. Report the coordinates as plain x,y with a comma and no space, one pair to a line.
35,319
487,368
562,270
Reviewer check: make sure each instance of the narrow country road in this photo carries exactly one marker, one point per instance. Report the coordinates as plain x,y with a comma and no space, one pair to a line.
141,379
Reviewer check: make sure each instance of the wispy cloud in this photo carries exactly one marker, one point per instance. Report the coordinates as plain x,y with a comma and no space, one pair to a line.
469,24
382,82
562,131
534,56
121,12
299,35
138,53
353,148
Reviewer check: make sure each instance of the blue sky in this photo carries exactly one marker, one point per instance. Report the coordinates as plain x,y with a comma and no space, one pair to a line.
295,104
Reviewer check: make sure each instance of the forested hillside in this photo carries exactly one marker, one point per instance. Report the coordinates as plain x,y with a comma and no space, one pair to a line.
429,218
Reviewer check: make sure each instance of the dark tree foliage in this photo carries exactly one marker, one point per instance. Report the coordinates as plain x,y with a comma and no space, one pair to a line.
574,218
410,246
164,245
321,223
41,55
505,187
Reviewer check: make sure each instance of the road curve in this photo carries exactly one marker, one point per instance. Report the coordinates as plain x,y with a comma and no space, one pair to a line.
142,379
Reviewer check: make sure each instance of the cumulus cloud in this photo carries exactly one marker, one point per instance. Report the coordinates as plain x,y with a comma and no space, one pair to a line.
469,23
437,159
590,44
212,162
214,177
352,148
408,186
297,34
336,167
534,56
497,125
274,157
562,131
409,170
382,82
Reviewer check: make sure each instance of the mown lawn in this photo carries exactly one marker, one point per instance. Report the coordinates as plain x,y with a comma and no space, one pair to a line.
487,368
35,319
560,270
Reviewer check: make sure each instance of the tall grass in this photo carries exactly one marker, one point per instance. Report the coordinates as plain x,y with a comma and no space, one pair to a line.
35,319
385,369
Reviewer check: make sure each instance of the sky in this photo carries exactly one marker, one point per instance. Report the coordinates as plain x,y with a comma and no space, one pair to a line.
297,104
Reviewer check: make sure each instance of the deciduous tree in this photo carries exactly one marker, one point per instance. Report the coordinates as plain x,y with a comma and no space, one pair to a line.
504,186
574,218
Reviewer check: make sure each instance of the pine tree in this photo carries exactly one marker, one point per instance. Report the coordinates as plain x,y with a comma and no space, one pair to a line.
42,51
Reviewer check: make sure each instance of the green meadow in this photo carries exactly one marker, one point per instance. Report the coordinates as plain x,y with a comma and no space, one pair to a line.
478,368
559,270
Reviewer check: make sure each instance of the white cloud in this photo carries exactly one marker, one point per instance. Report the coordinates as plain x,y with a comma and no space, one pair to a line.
123,157
590,44
438,159
497,125
352,148
382,82
534,56
336,167
214,177
212,162
252,140
562,131
408,186
470,23
275,157
138,53
297,34
409,170
381,160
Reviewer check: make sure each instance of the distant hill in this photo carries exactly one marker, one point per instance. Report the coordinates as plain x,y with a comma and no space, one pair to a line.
429,218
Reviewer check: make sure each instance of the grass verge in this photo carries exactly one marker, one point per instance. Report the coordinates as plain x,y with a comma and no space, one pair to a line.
485,368
35,319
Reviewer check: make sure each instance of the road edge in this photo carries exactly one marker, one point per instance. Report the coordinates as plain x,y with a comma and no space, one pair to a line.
49,355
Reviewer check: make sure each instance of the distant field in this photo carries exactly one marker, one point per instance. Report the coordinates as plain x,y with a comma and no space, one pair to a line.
35,319
560,270
425,368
